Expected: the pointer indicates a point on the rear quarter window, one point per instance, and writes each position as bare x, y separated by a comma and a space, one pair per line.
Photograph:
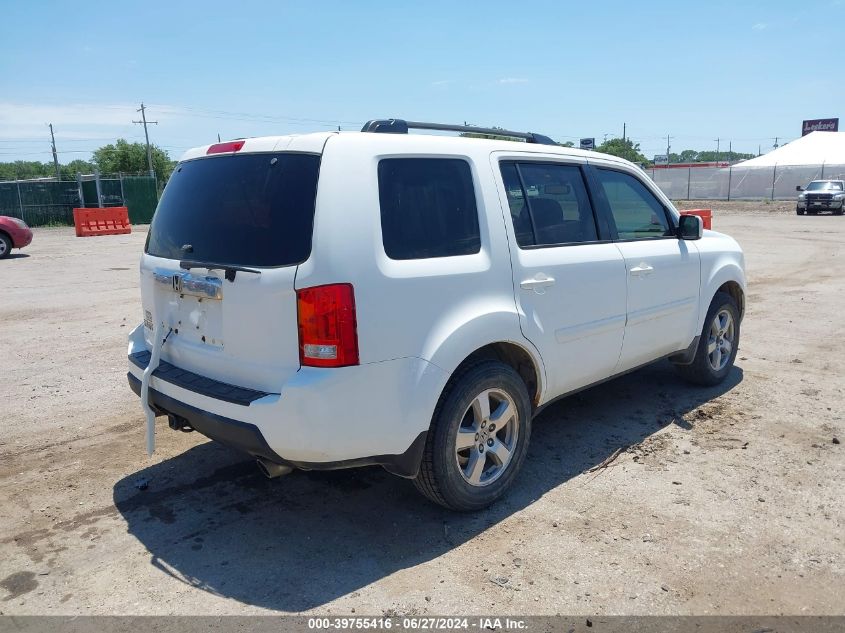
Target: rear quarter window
428, 208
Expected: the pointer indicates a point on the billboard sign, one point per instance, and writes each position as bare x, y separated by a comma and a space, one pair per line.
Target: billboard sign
819, 125
661, 159
588, 143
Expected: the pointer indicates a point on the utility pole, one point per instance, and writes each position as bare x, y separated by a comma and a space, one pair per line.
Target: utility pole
668, 148
730, 150
55, 155
624, 132
717, 149
143, 120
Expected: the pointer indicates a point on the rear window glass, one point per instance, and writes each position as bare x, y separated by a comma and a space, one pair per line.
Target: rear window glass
247, 209
427, 208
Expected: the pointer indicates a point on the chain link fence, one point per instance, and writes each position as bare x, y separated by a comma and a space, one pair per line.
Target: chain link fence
50, 202
740, 183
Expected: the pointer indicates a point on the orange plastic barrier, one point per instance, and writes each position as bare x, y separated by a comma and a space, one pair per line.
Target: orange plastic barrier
105, 221
706, 216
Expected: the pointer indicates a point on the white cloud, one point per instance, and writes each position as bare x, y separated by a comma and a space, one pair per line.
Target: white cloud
24, 120
513, 80
760, 26
443, 82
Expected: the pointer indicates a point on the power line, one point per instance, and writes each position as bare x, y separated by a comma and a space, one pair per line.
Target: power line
247, 116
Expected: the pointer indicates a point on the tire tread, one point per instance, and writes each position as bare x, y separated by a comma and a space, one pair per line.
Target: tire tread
698, 371
427, 479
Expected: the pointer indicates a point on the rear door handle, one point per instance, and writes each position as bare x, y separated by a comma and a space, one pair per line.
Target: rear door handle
641, 270
539, 284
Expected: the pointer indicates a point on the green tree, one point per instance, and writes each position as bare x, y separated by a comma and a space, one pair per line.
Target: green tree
567, 144
710, 156
128, 157
77, 166
623, 148
24, 169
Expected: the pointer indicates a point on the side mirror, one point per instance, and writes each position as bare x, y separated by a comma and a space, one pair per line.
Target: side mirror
690, 227
799, 188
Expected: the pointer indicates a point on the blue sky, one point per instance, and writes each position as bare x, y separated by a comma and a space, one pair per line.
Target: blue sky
742, 71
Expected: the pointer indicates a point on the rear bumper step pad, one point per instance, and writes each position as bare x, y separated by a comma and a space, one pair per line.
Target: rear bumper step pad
196, 383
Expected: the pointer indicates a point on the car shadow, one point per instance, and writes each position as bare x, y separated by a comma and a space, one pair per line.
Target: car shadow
211, 520
17, 255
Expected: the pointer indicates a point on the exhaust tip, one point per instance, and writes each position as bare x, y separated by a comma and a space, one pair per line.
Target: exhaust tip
271, 470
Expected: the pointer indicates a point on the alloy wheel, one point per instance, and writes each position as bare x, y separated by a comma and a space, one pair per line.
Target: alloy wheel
486, 439
720, 341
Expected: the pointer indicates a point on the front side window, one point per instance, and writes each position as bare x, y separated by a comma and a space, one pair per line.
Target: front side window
427, 208
549, 204
638, 214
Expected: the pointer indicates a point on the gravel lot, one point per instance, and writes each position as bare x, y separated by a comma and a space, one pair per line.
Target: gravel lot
720, 501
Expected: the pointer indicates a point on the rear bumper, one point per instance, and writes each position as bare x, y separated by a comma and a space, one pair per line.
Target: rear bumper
240, 435
248, 438
322, 419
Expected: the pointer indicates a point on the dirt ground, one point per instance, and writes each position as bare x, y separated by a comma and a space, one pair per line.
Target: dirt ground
720, 501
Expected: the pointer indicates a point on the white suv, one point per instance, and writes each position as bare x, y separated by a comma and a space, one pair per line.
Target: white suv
334, 300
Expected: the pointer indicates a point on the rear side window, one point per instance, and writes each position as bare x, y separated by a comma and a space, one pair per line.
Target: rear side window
638, 214
549, 204
427, 208
242, 209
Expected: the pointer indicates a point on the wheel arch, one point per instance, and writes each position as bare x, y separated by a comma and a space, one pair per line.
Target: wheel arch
515, 356
733, 289
726, 276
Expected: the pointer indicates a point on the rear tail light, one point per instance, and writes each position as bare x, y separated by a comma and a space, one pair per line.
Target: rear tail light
222, 148
328, 331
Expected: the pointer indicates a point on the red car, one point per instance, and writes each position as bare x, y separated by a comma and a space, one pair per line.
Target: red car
14, 233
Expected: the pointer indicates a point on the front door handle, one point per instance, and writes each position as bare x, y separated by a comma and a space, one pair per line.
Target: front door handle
641, 270
539, 284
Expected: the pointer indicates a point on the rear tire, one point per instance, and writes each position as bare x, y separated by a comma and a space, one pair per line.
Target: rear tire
466, 465
838, 211
717, 345
5, 245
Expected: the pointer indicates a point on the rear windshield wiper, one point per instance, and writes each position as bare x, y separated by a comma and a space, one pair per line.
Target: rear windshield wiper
229, 270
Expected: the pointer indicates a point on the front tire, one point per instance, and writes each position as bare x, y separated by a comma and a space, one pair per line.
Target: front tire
5, 245
799, 211
478, 438
717, 345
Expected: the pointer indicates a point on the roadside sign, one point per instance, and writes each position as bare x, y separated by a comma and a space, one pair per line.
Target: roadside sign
819, 125
661, 159
588, 143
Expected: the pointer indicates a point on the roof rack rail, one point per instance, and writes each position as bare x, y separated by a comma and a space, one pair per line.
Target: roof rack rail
400, 126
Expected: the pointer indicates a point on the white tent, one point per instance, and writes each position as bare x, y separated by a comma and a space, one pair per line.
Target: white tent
814, 149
